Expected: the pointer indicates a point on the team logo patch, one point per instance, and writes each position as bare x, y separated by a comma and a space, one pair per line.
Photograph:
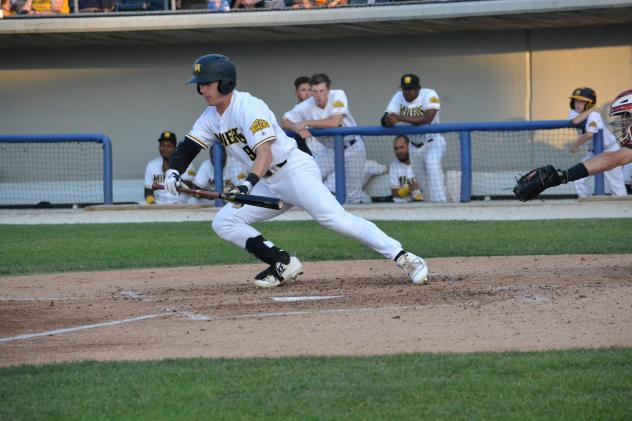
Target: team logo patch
259, 124
191, 173
592, 124
434, 100
197, 68
338, 104
242, 176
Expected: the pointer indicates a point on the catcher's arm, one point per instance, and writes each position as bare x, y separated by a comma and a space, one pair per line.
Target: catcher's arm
530, 185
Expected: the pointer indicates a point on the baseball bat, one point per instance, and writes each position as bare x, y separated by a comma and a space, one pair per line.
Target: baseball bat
246, 199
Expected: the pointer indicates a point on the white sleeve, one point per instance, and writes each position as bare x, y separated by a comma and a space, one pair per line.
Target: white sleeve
393, 178
593, 122
149, 176
205, 175
394, 104
295, 115
431, 100
340, 105
256, 122
201, 133
572, 114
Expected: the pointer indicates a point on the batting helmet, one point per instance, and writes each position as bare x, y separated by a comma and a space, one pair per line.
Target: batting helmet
215, 68
583, 94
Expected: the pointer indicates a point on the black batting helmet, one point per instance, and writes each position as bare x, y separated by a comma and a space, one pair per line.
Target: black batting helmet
583, 94
212, 68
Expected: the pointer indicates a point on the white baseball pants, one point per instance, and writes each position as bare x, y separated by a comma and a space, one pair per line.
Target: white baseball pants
299, 183
427, 166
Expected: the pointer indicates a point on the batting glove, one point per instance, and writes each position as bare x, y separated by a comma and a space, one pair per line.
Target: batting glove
172, 181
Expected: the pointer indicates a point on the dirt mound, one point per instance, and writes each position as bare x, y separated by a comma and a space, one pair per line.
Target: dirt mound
336, 308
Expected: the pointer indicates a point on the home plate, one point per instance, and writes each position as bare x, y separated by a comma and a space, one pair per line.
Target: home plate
306, 298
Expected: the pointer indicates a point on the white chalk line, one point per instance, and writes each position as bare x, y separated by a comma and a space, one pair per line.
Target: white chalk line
291, 299
309, 312
40, 298
202, 317
82, 327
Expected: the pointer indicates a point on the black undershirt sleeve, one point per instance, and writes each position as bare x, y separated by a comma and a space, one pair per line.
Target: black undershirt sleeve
184, 154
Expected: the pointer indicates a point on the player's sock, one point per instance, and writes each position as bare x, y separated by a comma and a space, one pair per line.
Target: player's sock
399, 254
266, 251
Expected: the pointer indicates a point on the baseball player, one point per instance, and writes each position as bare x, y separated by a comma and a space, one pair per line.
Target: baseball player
589, 122
155, 173
401, 178
416, 105
303, 91
329, 108
537, 180
249, 131
233, 173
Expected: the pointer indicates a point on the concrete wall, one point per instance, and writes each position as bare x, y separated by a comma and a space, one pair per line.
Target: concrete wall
134, 93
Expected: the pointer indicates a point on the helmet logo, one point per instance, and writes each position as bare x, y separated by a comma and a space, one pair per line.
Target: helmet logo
577, 92
407, 80
197, 68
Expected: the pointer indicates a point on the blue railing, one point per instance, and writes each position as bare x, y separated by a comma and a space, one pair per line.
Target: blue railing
66, 138
464, 129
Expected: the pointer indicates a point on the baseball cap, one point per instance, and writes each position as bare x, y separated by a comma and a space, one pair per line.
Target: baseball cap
410, 81
168, 136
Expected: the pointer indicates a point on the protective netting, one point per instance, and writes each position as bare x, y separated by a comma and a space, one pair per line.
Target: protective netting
59, 173
497, 158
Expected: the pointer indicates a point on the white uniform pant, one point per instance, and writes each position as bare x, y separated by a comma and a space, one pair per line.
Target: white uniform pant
299, 183
355, 157
426, 163
614, 178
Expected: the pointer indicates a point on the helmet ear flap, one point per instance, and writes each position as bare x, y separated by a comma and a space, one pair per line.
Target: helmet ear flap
225, 86
572, 104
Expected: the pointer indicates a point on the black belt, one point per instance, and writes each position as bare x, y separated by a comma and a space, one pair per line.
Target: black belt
419, 145
269, 173
351, 143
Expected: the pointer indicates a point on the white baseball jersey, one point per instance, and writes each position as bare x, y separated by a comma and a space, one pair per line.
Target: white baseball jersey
155, 174
245, 124
398, 175
593, 124
337, 103
426, 100
234, 173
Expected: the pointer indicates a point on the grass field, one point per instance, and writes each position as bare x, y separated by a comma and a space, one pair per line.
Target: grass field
575, 384
60, 248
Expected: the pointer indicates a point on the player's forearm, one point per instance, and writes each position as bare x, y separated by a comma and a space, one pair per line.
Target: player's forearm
326, 123
583, 139
287, 124
579, 119
606, 161
184, 154
263, 161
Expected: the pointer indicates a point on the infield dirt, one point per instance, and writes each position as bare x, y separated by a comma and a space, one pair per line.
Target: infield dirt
468, 305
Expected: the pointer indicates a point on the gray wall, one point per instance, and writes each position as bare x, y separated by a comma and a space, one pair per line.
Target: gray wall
134, 93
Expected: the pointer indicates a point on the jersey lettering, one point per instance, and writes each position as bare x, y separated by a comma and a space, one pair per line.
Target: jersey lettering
411, 111
230, 137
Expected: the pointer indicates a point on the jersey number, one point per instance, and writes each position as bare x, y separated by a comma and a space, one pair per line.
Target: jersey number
251, 154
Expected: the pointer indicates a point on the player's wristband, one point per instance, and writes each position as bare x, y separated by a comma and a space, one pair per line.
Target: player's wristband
252, 178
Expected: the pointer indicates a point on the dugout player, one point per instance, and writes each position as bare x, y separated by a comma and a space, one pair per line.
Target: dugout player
233, 173
249, 131
329, 108
540, 179
155, 173
588, 121
401, 179
415, 105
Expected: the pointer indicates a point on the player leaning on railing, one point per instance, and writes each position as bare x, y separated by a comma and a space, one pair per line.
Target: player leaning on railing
249, 131
536, 181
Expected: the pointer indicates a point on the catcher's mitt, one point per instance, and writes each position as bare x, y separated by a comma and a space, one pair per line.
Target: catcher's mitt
536, 181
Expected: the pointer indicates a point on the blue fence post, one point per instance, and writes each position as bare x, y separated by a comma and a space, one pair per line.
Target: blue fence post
339, 161
465, 141
597, 149
108, 196
218, 170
